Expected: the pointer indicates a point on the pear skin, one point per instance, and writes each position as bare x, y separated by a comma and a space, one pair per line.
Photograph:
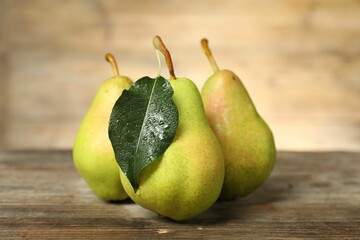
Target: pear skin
187, 179
246, 140
93, 154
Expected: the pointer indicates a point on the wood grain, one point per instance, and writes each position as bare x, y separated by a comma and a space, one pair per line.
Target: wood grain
299, 59
309, 195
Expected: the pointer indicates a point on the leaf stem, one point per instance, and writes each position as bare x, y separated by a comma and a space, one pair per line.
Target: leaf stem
159, 62
159, 45
111, 59
207, 51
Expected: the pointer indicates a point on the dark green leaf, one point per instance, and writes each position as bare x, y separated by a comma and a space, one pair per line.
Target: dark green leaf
142, 125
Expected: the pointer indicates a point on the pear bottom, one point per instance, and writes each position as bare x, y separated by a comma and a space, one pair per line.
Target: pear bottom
178, 185
102, 175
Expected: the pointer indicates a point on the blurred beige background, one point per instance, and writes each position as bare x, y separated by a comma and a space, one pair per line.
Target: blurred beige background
300, 60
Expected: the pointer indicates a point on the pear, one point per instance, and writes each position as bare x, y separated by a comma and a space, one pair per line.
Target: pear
187, 179
246, 140
93, 154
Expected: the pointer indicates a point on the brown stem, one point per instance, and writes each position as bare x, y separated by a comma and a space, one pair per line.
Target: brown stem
111, 59
159, 45
207, 51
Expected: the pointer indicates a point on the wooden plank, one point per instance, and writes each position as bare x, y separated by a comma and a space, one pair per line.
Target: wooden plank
309, 195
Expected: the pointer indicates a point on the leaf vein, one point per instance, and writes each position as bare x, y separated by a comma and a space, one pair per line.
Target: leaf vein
144, 120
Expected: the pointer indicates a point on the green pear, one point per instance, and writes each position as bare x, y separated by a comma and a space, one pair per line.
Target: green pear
187, 179
93, 154
246, 140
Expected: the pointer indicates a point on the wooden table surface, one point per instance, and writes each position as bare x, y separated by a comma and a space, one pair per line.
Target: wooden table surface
309, 195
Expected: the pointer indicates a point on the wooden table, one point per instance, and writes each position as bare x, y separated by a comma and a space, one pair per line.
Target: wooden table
309, 195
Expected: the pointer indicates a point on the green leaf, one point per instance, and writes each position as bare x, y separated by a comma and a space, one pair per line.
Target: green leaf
142, 125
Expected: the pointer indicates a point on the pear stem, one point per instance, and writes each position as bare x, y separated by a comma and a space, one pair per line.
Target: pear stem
159, 45
111, 59
207, 51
